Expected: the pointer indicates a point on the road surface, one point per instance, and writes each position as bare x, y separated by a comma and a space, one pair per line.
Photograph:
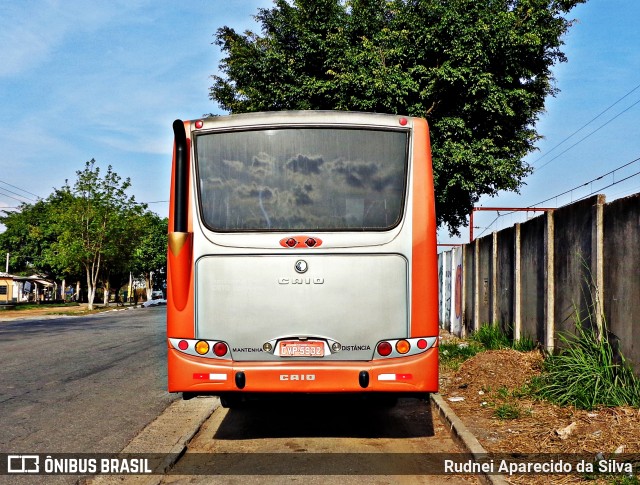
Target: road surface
81, 384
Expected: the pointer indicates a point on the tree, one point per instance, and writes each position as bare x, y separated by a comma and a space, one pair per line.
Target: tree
478, 70
30, 234
97, 218
150, 254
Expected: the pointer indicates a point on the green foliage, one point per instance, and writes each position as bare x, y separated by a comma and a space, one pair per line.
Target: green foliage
150, 254
507, 410
93, 228
452, 354
491, 337
587, 372
30, 233
487, 337
524, 344
478, 70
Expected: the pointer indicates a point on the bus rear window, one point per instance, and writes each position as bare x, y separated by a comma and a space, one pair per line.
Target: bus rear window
321, 179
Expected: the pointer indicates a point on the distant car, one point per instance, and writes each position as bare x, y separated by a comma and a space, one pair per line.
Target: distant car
157, 295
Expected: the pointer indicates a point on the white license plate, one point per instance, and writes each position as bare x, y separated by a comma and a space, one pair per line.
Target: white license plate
301, 349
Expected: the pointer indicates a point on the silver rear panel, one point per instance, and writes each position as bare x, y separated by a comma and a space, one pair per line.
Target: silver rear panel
356, 300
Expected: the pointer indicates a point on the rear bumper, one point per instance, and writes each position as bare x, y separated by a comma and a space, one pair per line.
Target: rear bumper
406, 375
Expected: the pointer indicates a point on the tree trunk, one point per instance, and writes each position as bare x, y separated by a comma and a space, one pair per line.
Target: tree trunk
149, 282
91, 290
107, 292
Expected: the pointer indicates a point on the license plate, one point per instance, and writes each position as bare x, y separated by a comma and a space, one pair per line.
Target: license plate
301, 349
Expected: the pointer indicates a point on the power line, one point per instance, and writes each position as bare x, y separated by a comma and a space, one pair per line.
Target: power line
593, 192
23, 190
603, 188
11, 197
584, 126
16, 193
585, 137
587, 183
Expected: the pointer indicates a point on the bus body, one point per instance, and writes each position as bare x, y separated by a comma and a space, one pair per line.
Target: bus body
302, 256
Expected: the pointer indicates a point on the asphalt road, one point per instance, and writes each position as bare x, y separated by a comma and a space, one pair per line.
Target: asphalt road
81, 384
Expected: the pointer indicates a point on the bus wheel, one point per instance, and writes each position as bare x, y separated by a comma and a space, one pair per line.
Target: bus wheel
230, 401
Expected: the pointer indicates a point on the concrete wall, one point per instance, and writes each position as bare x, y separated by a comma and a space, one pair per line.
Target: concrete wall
575, 275
505, 276
621, 251
484, 266
469, 285
534, 278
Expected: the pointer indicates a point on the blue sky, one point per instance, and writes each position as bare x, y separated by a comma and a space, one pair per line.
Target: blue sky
107, 81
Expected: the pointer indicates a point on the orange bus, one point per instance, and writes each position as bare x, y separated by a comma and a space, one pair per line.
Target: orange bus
302, 256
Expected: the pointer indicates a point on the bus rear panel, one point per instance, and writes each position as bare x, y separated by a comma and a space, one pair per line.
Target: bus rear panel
302, 256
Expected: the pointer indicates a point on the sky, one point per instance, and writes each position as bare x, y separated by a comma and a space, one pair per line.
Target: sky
104, 80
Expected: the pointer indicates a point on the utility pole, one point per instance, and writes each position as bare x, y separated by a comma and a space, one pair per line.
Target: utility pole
7, 265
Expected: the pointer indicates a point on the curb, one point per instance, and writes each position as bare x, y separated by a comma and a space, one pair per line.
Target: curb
168, 434
464, 437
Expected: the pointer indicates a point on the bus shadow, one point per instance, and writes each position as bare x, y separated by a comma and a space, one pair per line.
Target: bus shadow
327, 417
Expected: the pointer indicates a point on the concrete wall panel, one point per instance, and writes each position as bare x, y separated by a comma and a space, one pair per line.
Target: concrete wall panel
485, 267
468, 275
532, 276
622, 274
574, 276
505, 279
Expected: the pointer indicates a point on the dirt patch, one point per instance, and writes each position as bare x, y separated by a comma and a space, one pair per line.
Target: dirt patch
489, 392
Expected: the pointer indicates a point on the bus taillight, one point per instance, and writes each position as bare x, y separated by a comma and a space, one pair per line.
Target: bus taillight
403, 346
384, 348
202, 347
220, 349
183, 345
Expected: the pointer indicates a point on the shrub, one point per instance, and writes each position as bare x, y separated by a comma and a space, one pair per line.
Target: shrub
587, 373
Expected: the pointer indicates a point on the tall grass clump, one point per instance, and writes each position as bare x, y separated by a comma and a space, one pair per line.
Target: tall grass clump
587, 372
491, 337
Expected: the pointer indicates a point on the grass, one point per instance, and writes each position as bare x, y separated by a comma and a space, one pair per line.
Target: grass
487, 337
588, 373
507, 410
452, 354
491, 337
34, 306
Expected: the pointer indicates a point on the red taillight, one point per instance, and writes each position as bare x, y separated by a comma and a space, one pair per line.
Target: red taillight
291, 242
311, 242
220, 349
183, 345
403, 122
422, 344
384, 348
199, 124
